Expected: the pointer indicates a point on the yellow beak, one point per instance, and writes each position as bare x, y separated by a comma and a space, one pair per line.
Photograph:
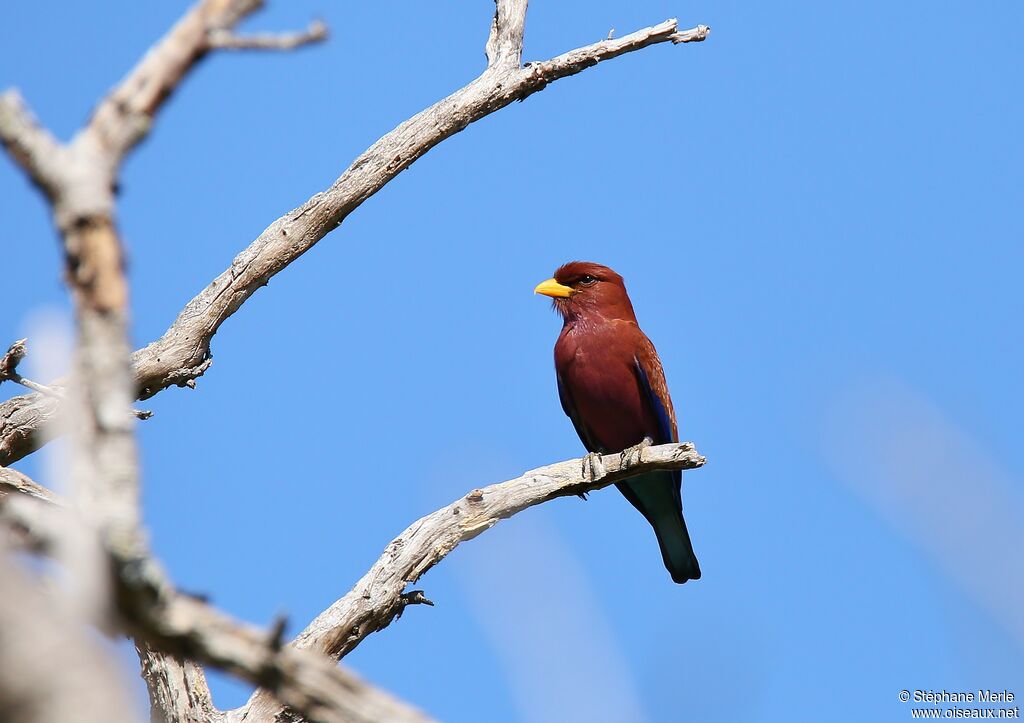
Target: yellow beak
552, 288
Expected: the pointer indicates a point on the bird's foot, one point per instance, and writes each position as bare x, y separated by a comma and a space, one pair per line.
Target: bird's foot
593, 470
632, 456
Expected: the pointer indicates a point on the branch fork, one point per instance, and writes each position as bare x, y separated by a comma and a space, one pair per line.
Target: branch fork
80, 179
182, 354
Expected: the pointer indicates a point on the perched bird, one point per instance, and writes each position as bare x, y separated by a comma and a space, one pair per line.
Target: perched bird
613, 388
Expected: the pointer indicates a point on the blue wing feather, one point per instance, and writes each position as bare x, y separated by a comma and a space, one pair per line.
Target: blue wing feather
660, 412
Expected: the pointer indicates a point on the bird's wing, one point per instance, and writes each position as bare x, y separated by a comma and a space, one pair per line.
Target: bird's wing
572, 413
651, 378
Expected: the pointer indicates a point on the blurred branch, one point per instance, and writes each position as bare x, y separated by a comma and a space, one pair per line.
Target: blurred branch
79, 180
50, 669
380, 595
183, 354
308, 683
180, 694
14, 482
8, 371
226, 40
171, 629
125, 116
30, 145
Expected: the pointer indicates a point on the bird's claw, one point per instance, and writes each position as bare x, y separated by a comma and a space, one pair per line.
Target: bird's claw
593, 468
632, 456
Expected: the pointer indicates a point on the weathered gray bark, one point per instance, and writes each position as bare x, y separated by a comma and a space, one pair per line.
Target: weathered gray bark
182, 354
172, 629
380, 595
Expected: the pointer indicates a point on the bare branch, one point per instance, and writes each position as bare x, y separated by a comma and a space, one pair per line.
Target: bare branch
178, 691
581, 58
693, 35
226, 40
125, 116
8, 371
171, 629
29, 144
10, 361
374, 600
80, 177
27, 514
370, 703
104, 454
14, 482
380, 595
183, 627
106, 504
50, 669
182, 354
303, 680
180, 694
505, 43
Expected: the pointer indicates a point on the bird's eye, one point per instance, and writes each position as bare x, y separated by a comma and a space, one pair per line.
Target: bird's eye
587, 280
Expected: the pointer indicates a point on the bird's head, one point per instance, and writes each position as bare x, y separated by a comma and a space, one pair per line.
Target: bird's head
585, 290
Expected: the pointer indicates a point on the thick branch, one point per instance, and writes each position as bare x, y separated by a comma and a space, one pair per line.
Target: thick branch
29, 144
505, 43
302, 680
376, 598
80, 177
172, 629
181, 627
104, 465
50, 669
380, 595
180, 694
178, 691
9, 372
182, 354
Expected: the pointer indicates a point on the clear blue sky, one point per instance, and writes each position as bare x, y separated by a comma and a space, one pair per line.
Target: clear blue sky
818, 216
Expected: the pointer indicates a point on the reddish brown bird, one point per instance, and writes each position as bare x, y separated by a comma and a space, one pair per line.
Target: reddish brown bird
613, 388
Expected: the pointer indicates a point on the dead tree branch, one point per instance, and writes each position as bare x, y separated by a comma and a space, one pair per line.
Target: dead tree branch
226, 40
380, 595
308, 683
14, 482
79, 178
81, 189
178, 691
179, 694
8, 371
171, 629
183, 353
50, 669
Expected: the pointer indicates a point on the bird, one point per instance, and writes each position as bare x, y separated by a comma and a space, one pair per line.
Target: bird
612, 387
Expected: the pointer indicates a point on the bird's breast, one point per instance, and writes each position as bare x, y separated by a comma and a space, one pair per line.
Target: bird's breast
598, 370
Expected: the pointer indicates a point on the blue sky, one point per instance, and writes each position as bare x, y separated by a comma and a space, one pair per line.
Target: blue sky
818, 216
